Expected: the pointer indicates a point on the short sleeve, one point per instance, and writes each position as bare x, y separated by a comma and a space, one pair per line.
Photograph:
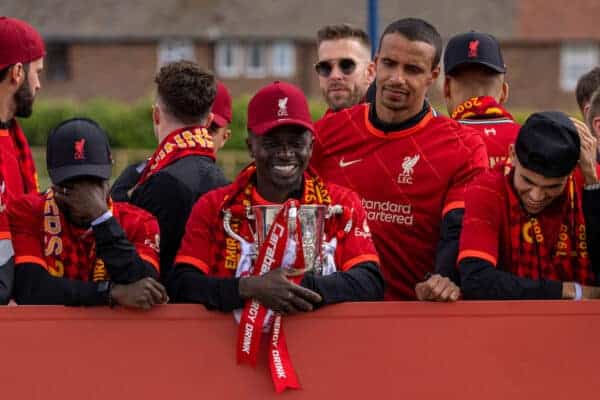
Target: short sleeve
25, 218
356, 246
475, 161
483, 219
196, 245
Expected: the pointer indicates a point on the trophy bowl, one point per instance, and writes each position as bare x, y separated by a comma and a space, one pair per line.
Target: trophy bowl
312, 224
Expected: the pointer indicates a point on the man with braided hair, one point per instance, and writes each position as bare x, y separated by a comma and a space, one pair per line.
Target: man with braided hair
280, 142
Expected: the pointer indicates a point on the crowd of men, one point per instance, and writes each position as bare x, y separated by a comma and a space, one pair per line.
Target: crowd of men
429, 207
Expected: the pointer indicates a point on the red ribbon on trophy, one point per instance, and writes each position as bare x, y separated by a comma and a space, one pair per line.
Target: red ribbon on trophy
283, 244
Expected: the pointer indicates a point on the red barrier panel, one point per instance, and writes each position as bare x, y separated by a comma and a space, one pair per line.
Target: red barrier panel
468, 350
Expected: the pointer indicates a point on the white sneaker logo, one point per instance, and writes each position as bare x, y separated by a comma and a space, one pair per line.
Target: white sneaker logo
408, 169
344, 164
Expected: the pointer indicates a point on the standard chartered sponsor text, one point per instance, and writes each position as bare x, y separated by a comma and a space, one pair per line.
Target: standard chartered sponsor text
388, 211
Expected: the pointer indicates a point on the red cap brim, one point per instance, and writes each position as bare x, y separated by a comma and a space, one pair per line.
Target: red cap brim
262, 129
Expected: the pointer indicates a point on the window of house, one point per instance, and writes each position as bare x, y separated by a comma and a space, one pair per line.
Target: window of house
575, 60
175, 50
283, 59
256, 63
56, 64
228, 59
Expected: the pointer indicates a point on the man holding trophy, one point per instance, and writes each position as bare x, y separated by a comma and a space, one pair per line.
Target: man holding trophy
219, 248
277, 240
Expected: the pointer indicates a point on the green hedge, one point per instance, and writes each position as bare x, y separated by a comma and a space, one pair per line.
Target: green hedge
130, 125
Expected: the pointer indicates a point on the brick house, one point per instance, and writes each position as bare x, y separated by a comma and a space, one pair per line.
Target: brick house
113, 48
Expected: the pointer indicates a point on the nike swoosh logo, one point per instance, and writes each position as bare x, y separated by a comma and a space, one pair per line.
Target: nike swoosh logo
344, 164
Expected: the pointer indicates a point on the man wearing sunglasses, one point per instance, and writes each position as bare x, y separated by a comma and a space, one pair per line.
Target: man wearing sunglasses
344, 68
409, 164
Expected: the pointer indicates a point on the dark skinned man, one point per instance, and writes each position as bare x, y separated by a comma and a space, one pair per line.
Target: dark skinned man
73, 245
280, 142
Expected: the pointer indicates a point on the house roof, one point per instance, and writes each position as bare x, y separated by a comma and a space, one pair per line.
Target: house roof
209, 19
297, 19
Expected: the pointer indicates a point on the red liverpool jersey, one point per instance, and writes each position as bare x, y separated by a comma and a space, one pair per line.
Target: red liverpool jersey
497, 127
407, 180
206, 247
549, 245
42, 235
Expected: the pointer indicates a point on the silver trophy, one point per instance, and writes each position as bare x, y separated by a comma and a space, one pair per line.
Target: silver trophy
312, 219
312, 226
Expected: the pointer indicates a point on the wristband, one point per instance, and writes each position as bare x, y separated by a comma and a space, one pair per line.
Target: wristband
578, 292
104, 217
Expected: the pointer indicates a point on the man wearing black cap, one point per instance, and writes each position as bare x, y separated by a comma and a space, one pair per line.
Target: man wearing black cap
73, 245
475, 88
533, 233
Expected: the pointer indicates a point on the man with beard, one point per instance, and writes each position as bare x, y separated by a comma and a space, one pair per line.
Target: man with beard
73, 245
475, 90
534, 233
344, 67
22, 54
210, 262
409, 164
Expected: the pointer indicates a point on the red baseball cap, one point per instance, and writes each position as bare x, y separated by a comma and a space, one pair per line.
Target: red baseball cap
278, 104
221, 107
19, 42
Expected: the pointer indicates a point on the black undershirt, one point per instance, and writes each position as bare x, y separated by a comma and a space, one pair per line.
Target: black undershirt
388, 127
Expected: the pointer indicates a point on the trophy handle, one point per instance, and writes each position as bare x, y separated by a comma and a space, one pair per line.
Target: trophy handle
227, 226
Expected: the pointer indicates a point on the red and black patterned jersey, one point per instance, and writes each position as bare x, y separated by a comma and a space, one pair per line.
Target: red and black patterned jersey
41, 235
550, 245
407, 180
206, 246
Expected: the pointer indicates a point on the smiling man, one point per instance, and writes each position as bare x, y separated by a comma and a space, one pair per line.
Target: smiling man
409, 164
209, 261
534, 233
344, 67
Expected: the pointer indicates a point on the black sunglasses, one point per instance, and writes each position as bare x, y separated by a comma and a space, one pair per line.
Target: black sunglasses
324, 68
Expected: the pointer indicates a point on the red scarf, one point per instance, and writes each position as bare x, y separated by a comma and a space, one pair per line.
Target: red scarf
480, 107
551, 245
241, 199
253, 315
70, 251
24, 158
188, 141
